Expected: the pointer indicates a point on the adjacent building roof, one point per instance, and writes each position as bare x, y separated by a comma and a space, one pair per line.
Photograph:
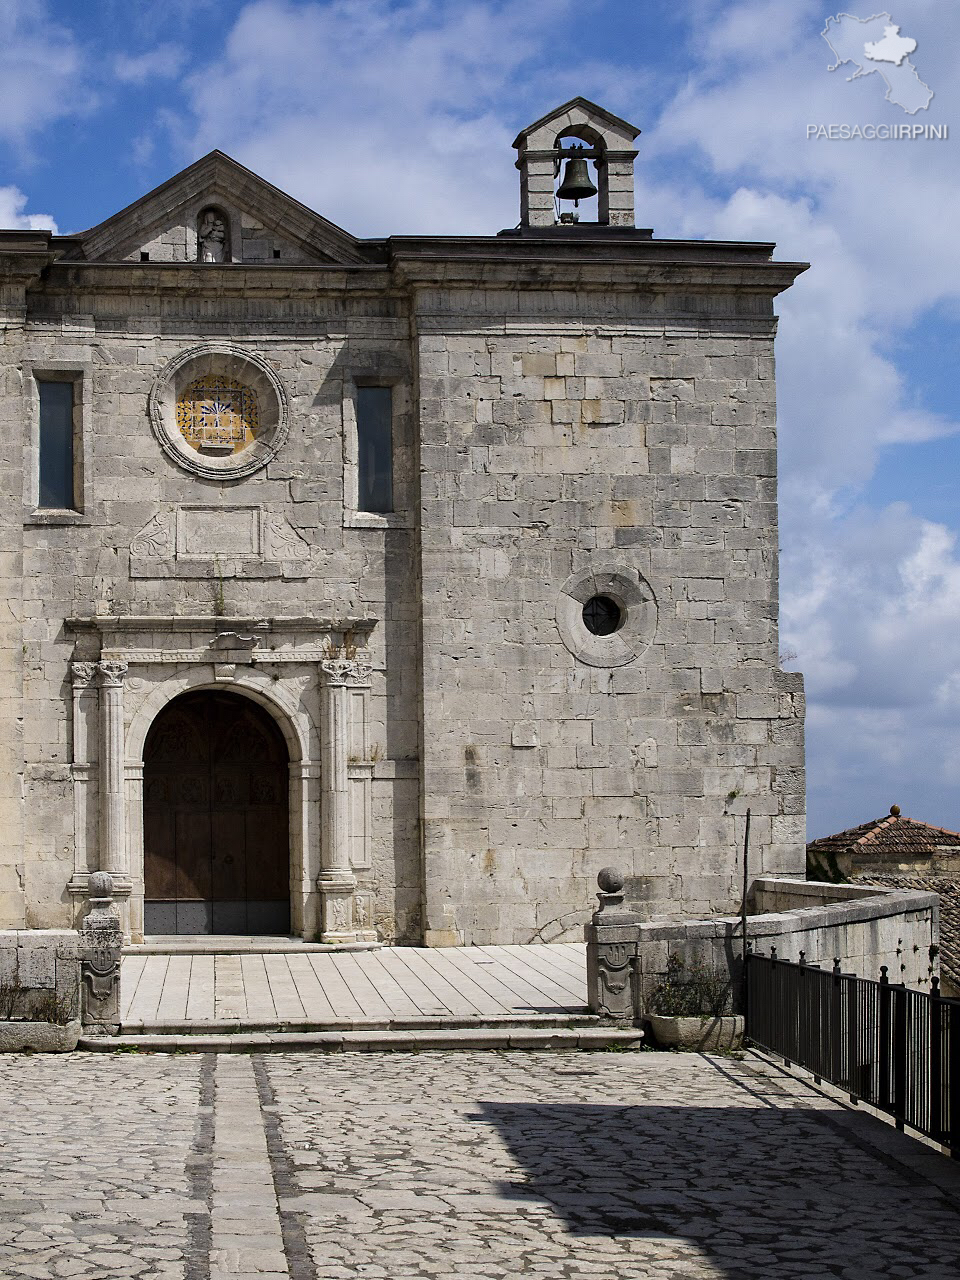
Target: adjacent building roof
900, 853
893, 840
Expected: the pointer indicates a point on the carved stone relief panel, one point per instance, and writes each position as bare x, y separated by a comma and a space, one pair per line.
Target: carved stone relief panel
192, 541
228, 531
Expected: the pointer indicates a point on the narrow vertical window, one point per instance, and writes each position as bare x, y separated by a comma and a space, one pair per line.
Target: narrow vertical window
375, 449
56, 445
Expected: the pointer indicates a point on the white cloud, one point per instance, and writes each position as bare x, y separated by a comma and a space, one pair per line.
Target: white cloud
13, 218
873, 612
163, 62
386, 118
41, 68
871, 597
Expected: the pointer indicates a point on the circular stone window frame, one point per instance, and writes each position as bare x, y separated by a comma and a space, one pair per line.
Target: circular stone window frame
629, 589
226, 360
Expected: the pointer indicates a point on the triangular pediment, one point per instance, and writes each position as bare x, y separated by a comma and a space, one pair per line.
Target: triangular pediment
578, 111
260, 223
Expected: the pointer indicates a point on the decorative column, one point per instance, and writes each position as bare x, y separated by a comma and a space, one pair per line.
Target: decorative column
113, 845
337, 882
83, 770
133, 804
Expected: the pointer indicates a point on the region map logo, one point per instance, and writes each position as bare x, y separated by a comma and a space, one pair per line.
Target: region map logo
874, 47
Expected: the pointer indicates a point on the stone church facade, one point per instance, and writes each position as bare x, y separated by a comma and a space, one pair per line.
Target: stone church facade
388, 589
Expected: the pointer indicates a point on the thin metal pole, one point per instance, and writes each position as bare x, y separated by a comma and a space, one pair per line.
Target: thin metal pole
743, 905
743, 917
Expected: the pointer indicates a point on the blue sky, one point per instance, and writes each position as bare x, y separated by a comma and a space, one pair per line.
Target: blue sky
398, 117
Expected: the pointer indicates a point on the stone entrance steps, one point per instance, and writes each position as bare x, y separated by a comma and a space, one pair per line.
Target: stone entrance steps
279, 994
581, 1033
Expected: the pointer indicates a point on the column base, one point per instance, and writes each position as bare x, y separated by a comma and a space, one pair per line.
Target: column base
345, 914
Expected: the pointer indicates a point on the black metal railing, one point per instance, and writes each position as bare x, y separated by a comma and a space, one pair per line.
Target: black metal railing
883, 1043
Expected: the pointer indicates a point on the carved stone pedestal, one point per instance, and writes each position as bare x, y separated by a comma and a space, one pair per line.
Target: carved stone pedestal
347, 912
612, 976
101, 942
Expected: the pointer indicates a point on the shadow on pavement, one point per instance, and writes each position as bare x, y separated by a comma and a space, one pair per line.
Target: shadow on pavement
753, 1188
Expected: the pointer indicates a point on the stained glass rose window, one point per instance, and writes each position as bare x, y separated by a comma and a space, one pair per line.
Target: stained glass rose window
218, 415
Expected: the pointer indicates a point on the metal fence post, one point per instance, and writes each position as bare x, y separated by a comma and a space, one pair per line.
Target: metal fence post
747, 979
953, 1079
803, 1009
836, 1023
779, 1009
854, 1071
936, 1061
900, 1053
883, 1042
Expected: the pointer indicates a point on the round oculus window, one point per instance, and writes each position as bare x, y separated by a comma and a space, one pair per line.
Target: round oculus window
219, 411
607, 616
602, 616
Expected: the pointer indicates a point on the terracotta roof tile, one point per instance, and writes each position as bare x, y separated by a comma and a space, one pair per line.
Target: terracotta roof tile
893, 836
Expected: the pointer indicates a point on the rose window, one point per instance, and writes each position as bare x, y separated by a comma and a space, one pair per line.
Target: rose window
217, 415
219, 410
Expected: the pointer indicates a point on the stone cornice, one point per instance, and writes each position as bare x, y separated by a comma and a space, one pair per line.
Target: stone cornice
105, 624
619, 263
603, 271
226, 280
581, 243
613, 278
24, 254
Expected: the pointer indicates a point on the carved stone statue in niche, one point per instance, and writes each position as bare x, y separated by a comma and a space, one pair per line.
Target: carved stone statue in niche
213, 236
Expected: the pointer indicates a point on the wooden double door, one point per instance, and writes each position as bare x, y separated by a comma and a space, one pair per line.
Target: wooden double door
215, 819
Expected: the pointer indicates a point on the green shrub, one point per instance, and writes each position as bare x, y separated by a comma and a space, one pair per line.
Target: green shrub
25, 1004
691, 991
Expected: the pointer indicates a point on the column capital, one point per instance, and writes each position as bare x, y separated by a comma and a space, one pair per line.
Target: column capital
83, 673
342, 670
112, 672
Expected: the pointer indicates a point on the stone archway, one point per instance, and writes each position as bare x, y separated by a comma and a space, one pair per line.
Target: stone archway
215, 818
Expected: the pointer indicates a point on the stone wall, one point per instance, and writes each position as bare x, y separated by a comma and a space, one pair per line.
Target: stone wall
42, 963
590, 415
863, 927
634, 453
125, 556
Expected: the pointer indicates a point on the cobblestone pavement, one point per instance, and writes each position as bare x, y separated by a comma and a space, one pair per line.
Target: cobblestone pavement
474, 1165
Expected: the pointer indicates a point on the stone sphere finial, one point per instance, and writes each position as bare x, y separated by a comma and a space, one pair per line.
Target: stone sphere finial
610, 880
100, 885
895, 810
103, 917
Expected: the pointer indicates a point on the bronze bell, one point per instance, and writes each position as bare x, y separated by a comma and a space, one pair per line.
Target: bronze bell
576, 184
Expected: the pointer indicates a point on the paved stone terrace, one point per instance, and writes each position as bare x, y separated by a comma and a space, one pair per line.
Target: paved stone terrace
268, 988
457, 1166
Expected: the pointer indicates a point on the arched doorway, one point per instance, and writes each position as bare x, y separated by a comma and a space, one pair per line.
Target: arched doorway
215, 821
